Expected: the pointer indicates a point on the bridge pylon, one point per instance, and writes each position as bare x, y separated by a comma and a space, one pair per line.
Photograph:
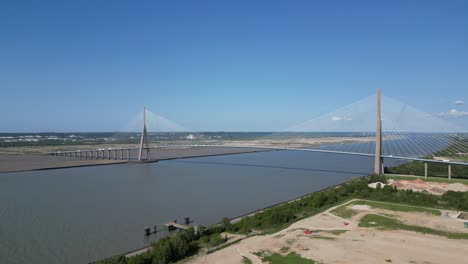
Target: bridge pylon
144, 140
378, 163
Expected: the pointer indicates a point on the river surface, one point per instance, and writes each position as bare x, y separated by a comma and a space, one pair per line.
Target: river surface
83, 214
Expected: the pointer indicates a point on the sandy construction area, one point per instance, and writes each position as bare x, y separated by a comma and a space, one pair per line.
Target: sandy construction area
437, 188
356, 244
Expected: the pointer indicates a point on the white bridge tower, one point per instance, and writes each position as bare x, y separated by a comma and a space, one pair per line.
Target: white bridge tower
378, 164
144, 140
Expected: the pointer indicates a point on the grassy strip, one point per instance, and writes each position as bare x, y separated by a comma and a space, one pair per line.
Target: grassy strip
225, 245
334, 232
318, 237
382, 222
344, 211
246, 260
291, 258
398, 207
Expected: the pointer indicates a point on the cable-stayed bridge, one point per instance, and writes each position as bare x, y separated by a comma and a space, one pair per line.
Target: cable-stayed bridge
376, 126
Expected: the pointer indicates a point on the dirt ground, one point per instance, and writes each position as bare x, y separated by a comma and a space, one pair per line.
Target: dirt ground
437, 188
356, 245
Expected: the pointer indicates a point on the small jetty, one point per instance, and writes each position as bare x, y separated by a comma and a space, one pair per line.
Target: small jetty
169, 226
174, 225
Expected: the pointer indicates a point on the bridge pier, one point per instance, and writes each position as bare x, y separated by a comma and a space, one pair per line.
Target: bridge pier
378, 166
449, 172
115, 153
425, 170
121, 154
128, 154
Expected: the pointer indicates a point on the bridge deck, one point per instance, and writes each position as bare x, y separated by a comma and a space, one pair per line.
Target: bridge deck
16, 163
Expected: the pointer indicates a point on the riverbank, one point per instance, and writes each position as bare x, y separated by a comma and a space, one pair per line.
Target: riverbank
282, 220
232, 220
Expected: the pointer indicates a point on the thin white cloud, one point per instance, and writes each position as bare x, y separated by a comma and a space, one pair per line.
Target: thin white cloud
459, 102
454, 113
339, 118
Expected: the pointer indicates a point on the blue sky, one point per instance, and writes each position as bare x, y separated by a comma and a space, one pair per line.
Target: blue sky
224, 65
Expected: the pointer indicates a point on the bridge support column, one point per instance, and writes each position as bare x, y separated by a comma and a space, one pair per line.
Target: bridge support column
144, 140
115, 154
108, 154
121, 154
378, 138
449, 172
425, 170
128, 154
382, 166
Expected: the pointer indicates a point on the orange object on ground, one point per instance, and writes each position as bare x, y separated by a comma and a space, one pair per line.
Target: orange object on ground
307, 232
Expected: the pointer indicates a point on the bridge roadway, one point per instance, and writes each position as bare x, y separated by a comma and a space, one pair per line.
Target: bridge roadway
114, 153
15, 163
69, 159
